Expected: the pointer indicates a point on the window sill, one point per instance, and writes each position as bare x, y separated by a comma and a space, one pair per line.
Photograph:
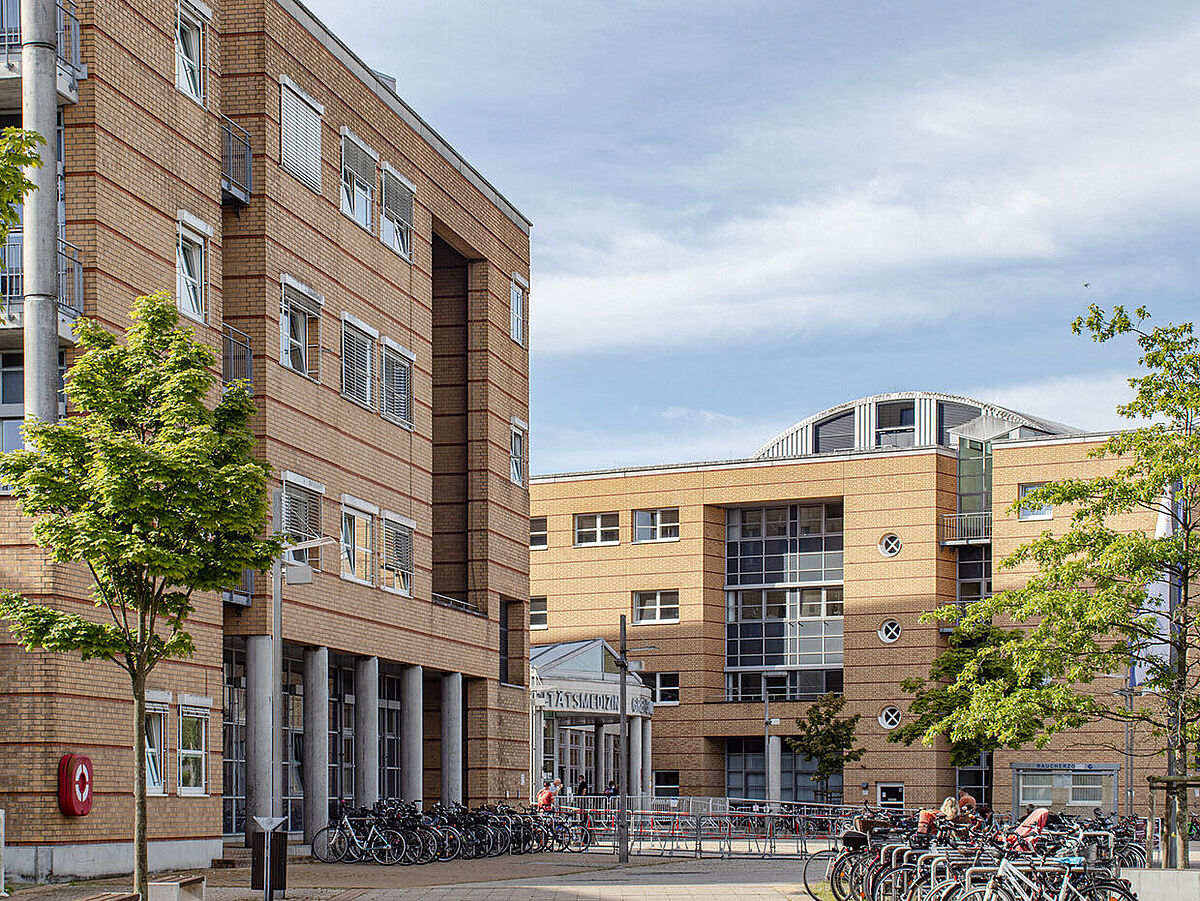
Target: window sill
357, 581
316, 380
654, 540
655, 622
369, 229
540, 547
191, 793
199, 101
403, 423
1046, 518
203, 320
538, 628
396, 591
597, 544
666, 703
156, 793
407, 257
520, 342
366, 405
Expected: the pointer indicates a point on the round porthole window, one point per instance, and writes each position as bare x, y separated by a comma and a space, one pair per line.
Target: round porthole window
889, 631
889, 544
889, 717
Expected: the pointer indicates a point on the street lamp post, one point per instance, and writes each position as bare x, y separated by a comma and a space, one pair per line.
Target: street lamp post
623, 759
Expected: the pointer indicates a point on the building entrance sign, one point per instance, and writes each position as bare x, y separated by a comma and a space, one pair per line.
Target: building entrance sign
75, 784
557, 701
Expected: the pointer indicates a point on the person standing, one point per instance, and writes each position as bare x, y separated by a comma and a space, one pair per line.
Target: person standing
581, 788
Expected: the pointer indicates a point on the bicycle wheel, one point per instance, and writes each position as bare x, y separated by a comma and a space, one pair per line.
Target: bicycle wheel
841, 876
388, 847
450, 846
998, 892
1110, 890
323, 845
579, 837
816, 871
892, 884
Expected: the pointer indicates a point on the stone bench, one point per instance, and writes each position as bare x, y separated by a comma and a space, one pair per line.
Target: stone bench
177, 888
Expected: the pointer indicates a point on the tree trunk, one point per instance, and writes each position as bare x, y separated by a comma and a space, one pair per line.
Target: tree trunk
140, 843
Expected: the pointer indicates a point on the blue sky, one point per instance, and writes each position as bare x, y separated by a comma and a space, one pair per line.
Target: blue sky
745, 212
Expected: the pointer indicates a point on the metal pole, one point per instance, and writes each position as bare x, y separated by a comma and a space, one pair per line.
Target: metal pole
39, 252
623, 760
276, 695
766, 742
1129, 747
3, 893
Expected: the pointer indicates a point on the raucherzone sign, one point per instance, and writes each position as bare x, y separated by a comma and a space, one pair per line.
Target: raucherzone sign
589, 702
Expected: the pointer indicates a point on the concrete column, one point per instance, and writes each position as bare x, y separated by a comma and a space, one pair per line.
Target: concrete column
316, 741
452, 738
366, 731
599, 779
412, 733
635, 755
647, 767
261, 753
774, 768
39, 254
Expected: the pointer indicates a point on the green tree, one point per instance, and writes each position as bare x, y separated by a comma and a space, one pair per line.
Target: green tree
156, 494
1105, 597
827, 739
936, 700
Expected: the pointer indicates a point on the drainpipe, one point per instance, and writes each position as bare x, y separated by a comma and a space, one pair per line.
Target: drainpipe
39, 109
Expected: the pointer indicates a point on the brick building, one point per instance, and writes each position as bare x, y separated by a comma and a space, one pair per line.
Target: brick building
805, 569
373, 287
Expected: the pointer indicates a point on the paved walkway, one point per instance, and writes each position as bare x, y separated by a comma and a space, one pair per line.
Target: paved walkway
548, 877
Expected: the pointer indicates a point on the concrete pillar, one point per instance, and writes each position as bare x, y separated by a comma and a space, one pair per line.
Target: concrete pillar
412, 733
316, 741
39, 254
452, 738
366, 731
647, 767
774, 768
261, 750
635, 755
599, 776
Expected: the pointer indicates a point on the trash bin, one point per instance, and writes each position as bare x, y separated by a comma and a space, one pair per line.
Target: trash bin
278, 853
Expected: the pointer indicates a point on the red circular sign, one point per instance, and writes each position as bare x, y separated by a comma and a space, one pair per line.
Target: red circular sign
75, 784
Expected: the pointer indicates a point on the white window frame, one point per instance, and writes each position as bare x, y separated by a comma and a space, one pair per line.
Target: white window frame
890, 717
1046, 783
518, 294
309, 175
1097, 789
1027, 514
357, 510
187, 753
299, 488
596, 526
544, 612
298, 299
358, 193
191, 75
657, 526
675, 785
657, 689
393, 225
544, 532
393, 576
516, 451
193, 287
156, 755
642, 606
394, 355
354, 329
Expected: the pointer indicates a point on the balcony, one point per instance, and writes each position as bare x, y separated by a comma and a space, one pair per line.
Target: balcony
958, 529
12, 281
237, 175
237, 357
240, 595
70, 65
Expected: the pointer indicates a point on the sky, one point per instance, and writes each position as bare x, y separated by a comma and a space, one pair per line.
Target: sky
747, 211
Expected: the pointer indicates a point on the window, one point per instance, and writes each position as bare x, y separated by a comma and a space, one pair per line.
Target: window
889, 717
300, 133
1045, 511
358, 365
663, 686
656, 606
193, 751
976, 780
190, 41
516, 311
397, 554
784, 627
596, 528
974, 573
300, 331
538, 539
302, 521
1036, 789
1087, 788
889, 632
358, 545
358, 181
398, 194
656, 525
745, 768
793, 685
538, 618
190, 275
156, 783
895, 424
397, 384
666, 783
789, 544
890, 544
516, 454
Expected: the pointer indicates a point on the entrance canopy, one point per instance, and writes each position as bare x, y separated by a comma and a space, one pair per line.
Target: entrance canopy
583, 678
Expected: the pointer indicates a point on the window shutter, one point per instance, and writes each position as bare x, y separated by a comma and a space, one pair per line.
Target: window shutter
356, 364
397, 198
397, 387
300, 138
358, 161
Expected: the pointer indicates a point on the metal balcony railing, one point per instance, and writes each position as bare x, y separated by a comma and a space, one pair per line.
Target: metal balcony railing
444, 600
66, 27
12, 280
242, 593
237, 357
965, 528
237, 176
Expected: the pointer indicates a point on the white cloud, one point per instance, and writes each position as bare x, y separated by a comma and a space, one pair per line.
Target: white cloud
1087, 401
